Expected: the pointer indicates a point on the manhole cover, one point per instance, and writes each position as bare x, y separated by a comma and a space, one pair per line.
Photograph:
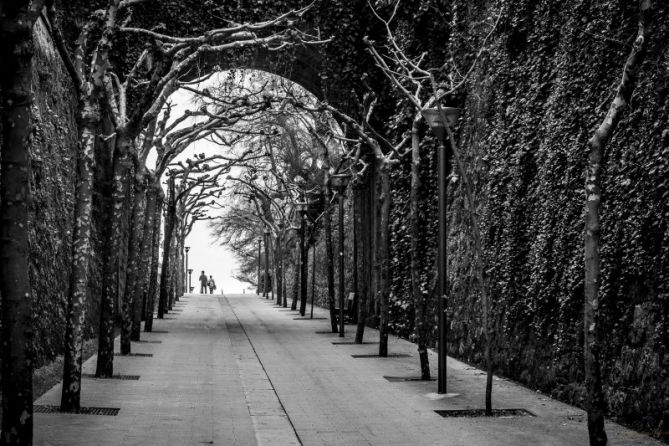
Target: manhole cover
111, 411
307, 318
148, 342
352, 342
143, 355
390, 355
121, 377
502, 413
397, 379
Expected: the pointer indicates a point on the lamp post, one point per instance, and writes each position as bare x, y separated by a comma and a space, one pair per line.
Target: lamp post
433, 116
266, 233
302, 209
259, 255
339, 182
190, 284
187, 248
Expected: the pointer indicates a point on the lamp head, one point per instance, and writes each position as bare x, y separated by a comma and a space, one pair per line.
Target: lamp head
339, 181
433, 119
301, 206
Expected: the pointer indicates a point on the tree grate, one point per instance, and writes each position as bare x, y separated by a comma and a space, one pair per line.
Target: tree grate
45, 408
121, 377
308, 318
352, 342
327, 332
143, 355
399, 379
390, 355
501, 413
169, 319
148, 342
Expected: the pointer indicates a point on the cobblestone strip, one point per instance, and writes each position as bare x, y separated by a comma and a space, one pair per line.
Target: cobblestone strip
270, 421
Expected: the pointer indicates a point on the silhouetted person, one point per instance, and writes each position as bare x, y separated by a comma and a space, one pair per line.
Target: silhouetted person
203, 283
211, 284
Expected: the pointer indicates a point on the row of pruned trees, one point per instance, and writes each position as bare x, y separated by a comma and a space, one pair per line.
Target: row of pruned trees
121, 110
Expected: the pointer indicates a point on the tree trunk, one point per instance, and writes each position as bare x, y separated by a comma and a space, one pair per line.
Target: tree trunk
384, 264
267, 262
134, 253
283, 273
81, 250
112, 258
276, 263
141, 281
296, 279
16, 53
155, 254
329, 260
132, 300
419, 299
356, 237
595, 403
365, 221
167, 242
304, 266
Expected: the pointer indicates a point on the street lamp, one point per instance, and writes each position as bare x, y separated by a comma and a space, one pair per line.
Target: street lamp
266, 232
302, 208
187, 248
259, 250
339, 182
190, 284
434, 118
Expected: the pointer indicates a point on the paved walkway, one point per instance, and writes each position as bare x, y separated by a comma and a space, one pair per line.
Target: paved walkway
236, 370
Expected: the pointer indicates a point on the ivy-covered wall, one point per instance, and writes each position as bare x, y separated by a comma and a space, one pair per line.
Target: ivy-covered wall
53, 164
53, 175
532, 102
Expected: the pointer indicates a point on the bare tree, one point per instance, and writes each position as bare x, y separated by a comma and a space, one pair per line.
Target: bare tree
595, 403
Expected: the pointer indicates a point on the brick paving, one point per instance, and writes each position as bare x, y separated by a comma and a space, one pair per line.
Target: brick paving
236, 370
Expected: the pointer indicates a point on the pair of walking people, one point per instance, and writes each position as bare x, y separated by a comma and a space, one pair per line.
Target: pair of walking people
207, 282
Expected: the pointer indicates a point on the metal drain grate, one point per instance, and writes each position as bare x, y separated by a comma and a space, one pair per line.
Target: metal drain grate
399, 379
169, 319
148, 342
390, 355
143, 355
501, 413
307, 318
121, 377
159, 331
110, 411
352, 342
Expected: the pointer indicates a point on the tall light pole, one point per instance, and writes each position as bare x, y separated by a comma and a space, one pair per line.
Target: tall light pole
267, 233
190, 284
339, 182
302, 209
187, 290
438, 127
259, 255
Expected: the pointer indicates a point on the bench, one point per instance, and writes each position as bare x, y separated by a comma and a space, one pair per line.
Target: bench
348, 310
